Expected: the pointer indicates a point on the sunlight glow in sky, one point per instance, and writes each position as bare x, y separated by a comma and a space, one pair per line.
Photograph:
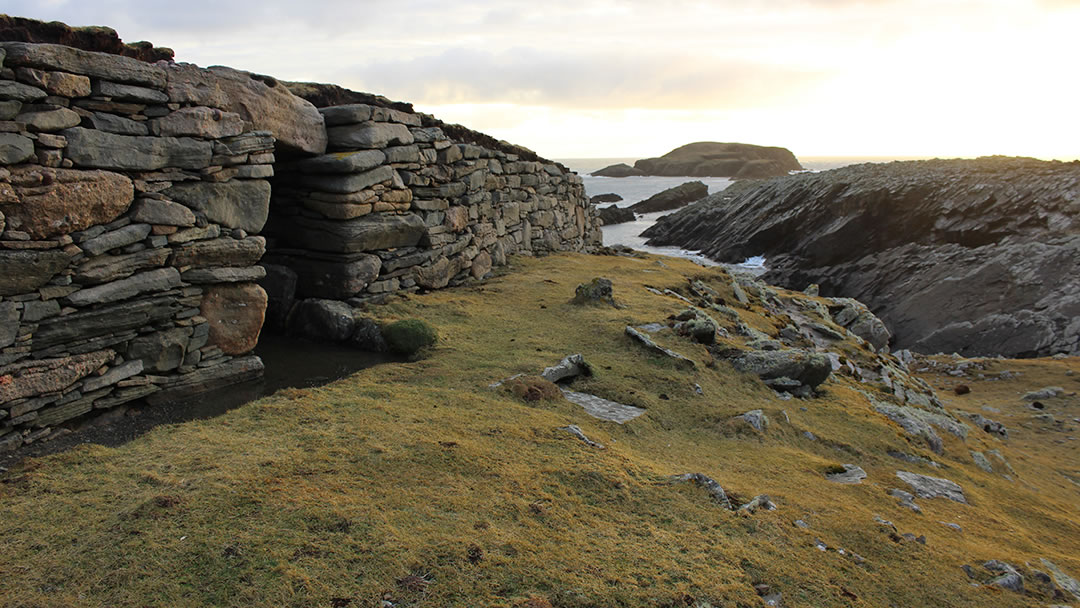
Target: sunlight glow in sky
635, 78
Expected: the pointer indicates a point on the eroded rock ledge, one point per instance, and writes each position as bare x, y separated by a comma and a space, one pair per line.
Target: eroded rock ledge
971, 256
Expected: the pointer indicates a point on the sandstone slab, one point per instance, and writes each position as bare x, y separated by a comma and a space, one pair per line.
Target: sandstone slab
98, 149
243, 204
47, 121
369, 135
262, 101
346, 183
48, 375
220, 252
105, 268
367, 233
208, 123
62, 58
167, 213
341, 162
235, 313
143, 282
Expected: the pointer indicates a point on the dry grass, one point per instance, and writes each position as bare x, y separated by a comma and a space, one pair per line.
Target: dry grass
414, 483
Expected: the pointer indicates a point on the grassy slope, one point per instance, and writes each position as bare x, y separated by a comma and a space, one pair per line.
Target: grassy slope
416, 483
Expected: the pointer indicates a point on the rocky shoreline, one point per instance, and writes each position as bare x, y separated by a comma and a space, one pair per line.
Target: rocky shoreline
971, 256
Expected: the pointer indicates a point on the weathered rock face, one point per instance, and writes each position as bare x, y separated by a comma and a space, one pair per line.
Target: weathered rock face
259, 100
970, 256
712, 159
672, 198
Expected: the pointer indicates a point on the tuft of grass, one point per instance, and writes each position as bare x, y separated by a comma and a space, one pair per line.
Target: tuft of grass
409, 336
534, 388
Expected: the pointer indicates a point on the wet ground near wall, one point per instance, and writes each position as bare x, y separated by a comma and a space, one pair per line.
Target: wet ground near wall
290, 363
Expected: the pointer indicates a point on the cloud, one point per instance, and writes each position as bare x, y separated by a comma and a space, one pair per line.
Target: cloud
604, 79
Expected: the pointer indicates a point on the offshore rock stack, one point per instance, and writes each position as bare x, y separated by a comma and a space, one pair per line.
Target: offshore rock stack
133, 196
397, 205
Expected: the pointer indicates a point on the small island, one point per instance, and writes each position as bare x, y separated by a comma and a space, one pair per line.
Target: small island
712, 159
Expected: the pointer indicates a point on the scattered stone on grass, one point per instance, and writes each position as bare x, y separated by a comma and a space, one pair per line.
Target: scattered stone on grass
601, 408
708, 484
933, 487
852, 474
647, 342
569, 368
576, 431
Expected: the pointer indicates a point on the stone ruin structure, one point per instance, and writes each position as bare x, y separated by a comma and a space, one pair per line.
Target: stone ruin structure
146, 209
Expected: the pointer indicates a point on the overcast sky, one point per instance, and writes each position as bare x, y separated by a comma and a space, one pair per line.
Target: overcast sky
635, 78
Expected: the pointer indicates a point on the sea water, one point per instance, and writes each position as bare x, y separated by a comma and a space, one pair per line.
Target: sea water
637, 189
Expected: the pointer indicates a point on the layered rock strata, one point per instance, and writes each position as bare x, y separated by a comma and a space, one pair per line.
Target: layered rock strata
970, 256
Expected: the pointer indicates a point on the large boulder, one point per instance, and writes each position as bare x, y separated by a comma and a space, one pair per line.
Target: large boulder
672, 198
260, 100
326, 320
979, 257
712, 159
810, 369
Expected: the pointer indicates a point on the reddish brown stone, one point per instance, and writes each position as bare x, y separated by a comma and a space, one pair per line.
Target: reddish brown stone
54, 202
457, 218
48, 375
235, 313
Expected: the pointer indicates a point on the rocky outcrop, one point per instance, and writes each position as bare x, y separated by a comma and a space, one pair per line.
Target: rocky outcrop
618, 170
672, 198
970, 256
712, 159
614, 214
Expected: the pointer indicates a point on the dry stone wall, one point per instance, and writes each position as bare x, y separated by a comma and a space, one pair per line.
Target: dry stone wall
397, 205
137, 201
131, 198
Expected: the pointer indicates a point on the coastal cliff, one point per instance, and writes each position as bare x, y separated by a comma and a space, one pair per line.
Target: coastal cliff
972, 256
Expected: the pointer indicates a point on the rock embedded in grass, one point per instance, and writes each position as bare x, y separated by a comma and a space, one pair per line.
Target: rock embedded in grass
933, 487
850, 475
598, 291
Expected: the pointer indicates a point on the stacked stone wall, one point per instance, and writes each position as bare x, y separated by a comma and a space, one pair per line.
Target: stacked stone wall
400, 206
131, 199
137, 201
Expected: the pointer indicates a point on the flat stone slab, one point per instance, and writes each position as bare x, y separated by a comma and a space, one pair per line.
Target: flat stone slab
852, 475
933, 487
601, 408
